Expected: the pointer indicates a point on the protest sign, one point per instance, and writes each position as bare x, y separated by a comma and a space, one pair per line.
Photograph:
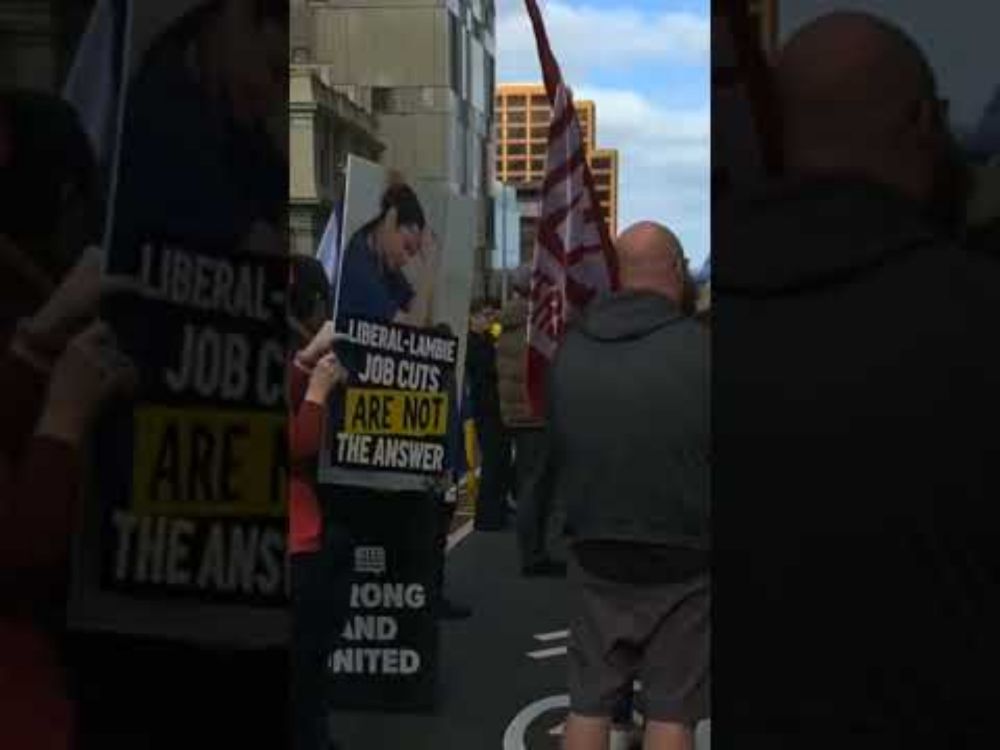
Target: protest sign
396, 412
417, 364
387, 655
401, 306
184, 532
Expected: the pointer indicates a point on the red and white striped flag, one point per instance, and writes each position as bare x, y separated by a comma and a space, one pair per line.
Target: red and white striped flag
745, 137
574, 255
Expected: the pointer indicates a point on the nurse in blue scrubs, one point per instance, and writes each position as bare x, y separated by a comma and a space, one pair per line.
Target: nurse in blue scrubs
389, 266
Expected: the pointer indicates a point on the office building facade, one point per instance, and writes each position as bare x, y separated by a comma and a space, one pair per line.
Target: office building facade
324, 126
426, 71
523, 115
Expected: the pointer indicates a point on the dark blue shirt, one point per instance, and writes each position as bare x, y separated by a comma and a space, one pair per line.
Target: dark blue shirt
368, 289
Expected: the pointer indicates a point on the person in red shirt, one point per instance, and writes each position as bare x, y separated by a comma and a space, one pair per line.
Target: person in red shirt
319, 549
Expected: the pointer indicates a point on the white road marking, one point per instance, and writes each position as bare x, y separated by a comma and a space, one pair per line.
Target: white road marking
513, 738
458, 535
547, 653
554, 636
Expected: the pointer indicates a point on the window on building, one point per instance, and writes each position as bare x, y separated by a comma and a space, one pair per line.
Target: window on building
516, 101
457, 65
538, 165
517, 115
517, 149
490, 76
517, 134
381, 99
539, 132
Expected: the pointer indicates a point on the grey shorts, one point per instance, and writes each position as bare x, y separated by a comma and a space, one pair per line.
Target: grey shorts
656, 633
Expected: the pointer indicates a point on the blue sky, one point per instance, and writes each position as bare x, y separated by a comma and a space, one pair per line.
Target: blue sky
646, 64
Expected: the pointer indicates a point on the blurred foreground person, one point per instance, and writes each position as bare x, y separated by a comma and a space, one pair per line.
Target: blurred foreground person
629, 431
57, 367
852, 388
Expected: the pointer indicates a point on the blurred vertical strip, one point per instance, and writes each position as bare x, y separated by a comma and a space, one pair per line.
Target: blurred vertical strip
746, 142
94, 82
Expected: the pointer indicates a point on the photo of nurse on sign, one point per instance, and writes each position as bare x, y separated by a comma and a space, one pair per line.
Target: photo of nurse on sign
389, 265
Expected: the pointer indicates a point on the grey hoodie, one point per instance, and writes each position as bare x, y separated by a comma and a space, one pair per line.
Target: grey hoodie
630, 424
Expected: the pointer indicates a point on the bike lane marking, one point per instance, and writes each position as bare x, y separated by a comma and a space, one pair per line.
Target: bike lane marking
555, 635
513, 738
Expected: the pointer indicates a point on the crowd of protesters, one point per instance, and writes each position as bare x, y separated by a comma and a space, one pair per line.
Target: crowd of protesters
875, 512
58, 365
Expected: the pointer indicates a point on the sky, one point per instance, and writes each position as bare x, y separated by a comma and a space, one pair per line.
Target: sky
645, 63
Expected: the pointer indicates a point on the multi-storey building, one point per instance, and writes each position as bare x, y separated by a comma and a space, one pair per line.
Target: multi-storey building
604, 166
324, 126
523, 114
426, 70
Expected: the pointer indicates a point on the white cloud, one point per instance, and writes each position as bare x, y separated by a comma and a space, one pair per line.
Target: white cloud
665, 160
587, 38
664, 153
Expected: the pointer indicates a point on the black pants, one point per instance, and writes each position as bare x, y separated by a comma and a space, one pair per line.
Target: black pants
146, 693
445, 517
491, 506
320, 596
534, 495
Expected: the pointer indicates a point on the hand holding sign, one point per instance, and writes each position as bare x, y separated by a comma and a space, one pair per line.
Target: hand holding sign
326, 375
76, 302
321, 343
88, 372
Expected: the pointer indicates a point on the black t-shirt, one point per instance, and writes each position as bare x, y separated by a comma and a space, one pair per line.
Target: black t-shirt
641, 564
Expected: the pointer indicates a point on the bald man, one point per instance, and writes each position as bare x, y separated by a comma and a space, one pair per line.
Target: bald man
858, 99
853, 367
629, 431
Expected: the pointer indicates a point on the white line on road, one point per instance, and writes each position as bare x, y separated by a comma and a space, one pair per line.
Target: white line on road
547, 653
458, 535
514, 737
554, 636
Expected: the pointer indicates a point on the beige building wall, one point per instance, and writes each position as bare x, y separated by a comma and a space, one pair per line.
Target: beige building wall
426, 69
324, 127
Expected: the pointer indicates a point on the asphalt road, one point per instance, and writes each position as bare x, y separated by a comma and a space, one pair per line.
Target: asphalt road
502, 672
